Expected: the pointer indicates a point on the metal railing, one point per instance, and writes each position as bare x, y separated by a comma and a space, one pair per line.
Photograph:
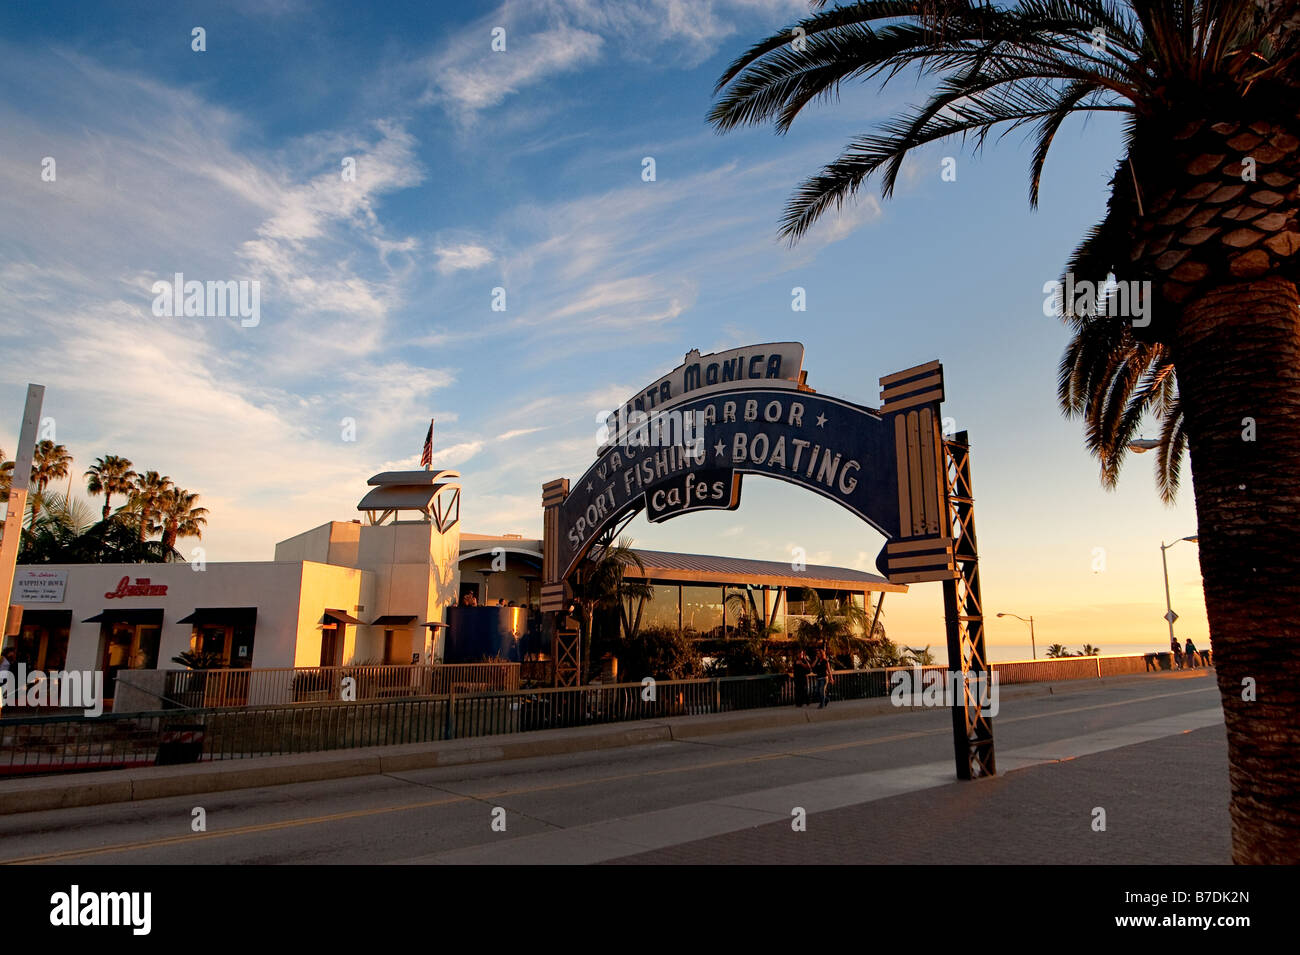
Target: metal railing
197, 689
37, 745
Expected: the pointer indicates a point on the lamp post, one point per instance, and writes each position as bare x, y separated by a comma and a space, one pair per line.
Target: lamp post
1170, 616
1033, 644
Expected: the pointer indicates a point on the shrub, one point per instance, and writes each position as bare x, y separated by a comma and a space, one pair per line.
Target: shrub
660, 652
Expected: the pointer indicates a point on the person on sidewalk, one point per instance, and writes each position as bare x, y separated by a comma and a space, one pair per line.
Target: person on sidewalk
1177, 652
822, 670
802, 670
8, 664
1193, 660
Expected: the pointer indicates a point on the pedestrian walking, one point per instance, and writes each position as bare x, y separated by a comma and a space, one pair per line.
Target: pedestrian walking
1193, 657
8, 664
1177, 651
802, 670
822, 670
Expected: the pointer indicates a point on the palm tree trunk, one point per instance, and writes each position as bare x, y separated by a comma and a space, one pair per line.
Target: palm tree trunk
107, 500
584, 665
1237, 350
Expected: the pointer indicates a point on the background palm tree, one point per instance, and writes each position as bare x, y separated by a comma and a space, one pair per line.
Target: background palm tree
178, 516
1057, 651
147, 495
1203, 204
66, 533
599, 584
6, 475
833, 621
923, 657
749, 621
50, 462
110, 475
1090, 651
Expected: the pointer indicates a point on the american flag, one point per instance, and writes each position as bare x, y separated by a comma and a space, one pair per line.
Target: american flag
426, 456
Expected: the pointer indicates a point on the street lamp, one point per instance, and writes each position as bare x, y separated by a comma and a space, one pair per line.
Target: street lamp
1033, 644
1170, 616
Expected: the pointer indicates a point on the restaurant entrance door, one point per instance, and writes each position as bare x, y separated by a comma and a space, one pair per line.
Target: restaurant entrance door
128, 640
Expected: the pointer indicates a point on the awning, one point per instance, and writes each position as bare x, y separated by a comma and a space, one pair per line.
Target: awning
228, 616
395, 621
338, 616
151, 616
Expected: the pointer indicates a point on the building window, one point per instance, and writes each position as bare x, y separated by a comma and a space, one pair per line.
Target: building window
663, 610
43, 642
702, 611
742, 602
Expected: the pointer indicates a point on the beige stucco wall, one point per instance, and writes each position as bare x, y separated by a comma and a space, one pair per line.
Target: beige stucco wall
332, 543
416, 573
273, 588
322, 587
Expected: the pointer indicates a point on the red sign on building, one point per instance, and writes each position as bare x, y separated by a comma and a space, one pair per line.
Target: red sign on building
141, 588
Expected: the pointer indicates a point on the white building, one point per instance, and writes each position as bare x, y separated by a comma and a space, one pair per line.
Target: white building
346, 591
367, 591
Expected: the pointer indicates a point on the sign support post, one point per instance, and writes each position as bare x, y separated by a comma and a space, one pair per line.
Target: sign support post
972, 726
22, 478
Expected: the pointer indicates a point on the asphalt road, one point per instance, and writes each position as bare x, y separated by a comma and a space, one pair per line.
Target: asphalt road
1149, 750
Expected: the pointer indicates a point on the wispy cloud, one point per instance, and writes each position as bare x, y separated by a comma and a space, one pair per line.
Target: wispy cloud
454, 258
467, 75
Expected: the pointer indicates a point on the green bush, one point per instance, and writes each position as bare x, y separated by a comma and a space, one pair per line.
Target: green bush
752, 657
660, 652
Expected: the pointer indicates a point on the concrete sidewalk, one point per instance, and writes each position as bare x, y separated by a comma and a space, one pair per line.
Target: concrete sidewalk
744, 828
1165, 802
115, 786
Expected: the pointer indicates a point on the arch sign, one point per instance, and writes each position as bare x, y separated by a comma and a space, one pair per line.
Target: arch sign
686, 442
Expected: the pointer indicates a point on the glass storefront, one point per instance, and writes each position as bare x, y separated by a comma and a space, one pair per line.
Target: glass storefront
128, 640
663, 610
43, 641
702, 611
225, 634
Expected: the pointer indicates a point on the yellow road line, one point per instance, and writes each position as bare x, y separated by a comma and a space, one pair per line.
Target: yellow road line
220, 834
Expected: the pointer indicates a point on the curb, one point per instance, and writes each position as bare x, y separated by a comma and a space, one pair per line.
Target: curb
157, 782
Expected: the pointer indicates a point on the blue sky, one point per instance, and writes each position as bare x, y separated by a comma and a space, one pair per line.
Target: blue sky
522, 170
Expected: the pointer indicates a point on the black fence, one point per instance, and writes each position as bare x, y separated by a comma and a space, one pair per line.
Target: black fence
53, 744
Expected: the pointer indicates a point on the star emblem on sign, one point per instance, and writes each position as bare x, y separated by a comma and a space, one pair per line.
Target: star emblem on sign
720, 448
821, 421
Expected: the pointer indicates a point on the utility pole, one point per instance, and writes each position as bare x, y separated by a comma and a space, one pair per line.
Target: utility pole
22, 479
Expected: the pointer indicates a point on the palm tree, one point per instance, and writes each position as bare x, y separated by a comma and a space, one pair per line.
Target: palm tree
918, 658
66, 533
50, 462
6, 475
1057, 651
54, 535
832, 621
599, 584
1090, 651
180, 518
750, 621
147, 495
1203, 205
110, 475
